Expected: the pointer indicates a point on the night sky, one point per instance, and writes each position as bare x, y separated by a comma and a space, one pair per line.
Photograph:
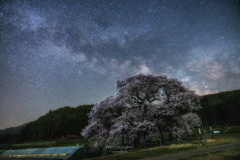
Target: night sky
67, 53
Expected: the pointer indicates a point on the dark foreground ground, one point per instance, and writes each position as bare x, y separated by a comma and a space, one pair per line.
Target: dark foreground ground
196, 152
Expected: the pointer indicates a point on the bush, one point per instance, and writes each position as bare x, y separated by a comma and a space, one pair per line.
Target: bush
235, 129
84, 152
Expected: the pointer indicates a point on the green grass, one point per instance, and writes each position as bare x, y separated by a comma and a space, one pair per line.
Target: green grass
224, 139
43, 144
34, 144
231, 154
1, 151
137, 153
228, 135
222, 129
170, 149
72, 142
150, 152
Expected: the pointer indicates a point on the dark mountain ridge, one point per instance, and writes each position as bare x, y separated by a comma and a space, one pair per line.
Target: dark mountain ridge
13, 130
217, 109
53, 125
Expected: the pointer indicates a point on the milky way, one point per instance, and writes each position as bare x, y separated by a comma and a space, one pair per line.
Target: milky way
66, 53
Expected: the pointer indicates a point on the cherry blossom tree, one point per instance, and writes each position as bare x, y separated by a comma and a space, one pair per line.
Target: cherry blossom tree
143, 105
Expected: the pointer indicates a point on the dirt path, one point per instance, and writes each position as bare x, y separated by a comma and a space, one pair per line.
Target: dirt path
196, 152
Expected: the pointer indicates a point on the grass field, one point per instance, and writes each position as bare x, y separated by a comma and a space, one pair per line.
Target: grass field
228, 135
231, 154
1, 151
43, 144
170, 149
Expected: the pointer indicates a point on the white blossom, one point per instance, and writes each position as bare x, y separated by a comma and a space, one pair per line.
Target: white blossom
143, 105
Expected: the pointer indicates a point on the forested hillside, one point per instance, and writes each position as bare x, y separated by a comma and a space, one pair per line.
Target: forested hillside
221, 108
56, 124
217, 109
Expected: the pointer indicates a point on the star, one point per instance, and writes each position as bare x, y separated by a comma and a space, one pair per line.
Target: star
68, 53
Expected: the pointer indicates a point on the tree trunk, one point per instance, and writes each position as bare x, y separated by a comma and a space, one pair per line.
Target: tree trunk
201, 114
160, 131
136, 141
170, 136
144, 140
123, 139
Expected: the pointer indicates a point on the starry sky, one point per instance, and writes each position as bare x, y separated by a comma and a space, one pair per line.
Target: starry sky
56, 53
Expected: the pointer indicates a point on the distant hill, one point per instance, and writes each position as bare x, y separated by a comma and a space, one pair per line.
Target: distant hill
221, 108
220, 97
13, 130
57, 123
217, 109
